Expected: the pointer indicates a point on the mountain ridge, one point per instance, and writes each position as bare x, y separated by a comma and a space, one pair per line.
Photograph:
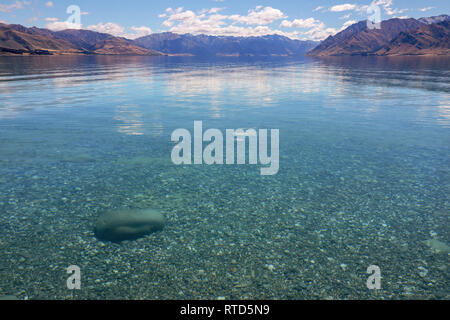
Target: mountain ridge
430, 39
358, 39
17, 39
424, 36
207, 45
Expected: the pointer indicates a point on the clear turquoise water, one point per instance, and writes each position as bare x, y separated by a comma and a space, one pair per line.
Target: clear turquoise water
364, 178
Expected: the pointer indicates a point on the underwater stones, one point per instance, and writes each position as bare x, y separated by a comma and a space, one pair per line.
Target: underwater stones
8, 297
128, 224
437, 245
422, 271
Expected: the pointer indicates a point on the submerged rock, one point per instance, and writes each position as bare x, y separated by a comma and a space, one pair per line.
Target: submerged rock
10, 297
126, 224
437, 245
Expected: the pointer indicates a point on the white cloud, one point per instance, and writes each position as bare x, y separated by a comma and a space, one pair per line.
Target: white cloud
49, 4
300, 23
51, 19
317, 29
343, 7
215, 10
426, 9
259, 16
209, 21
140, 32
109, 28
318, 8
117, 30
320, 32
14, 6
56, 25
256, 23
387, 6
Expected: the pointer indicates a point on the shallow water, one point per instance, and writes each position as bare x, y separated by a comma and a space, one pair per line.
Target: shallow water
363, 180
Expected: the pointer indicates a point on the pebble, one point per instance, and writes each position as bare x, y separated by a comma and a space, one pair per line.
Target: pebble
422, 271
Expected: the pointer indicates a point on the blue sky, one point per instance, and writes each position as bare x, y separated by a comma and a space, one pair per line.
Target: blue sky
314, 20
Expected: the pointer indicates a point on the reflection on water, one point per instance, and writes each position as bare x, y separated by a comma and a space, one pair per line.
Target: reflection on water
196, 84
364, 149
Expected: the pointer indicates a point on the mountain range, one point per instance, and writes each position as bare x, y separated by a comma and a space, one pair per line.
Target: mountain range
425, 36
17, 39
203, 45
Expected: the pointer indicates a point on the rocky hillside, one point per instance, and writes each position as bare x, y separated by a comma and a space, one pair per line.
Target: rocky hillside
425, 36
358, 39
17, 39
431, 39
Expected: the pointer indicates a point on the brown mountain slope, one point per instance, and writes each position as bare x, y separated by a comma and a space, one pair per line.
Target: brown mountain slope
10, 38
17, 39
119, 46
432, 39
360, 40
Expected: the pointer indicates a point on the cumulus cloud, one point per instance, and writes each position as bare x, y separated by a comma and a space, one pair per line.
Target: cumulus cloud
119, 31
320, 32
259, 21
387, 6
300, 23
109, 28
13, 6
56, 25
259, 16
214, 10
211, 22
317, 30
343, 7
139, 32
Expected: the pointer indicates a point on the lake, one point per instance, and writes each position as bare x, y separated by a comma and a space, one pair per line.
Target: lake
363, 180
